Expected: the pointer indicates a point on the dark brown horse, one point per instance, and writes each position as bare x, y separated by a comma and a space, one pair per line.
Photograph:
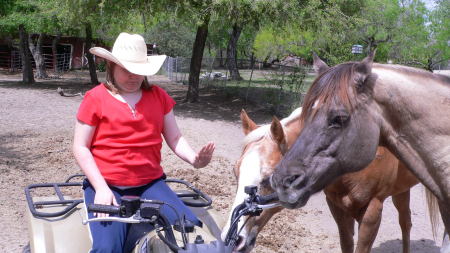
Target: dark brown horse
350, 110
354, 197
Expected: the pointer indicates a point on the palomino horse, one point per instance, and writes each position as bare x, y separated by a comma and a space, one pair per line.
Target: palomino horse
356, 196
352, 108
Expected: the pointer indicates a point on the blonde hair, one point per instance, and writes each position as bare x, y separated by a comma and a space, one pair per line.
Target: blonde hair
111, 84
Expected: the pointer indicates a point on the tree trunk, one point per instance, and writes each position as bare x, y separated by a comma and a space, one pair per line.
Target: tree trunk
55, 42
430, 65
232, 53
89, 56
36, 51
221, 58
196, 61
27, 69
252, 60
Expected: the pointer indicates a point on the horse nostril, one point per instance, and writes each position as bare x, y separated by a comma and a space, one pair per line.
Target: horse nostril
294, 181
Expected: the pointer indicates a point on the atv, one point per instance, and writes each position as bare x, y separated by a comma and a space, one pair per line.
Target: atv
57, 221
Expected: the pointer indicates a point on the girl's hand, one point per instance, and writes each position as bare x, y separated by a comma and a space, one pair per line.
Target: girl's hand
203, 157
104, 196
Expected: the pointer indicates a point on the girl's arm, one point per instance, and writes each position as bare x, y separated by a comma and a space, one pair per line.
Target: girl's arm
81, 143
181, 148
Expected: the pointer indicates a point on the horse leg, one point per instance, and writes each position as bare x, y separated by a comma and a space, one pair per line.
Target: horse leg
445, 214
401, 202
369, 223
346, 226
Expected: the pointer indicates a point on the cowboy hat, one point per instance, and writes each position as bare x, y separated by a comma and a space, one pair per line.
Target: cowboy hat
130, 52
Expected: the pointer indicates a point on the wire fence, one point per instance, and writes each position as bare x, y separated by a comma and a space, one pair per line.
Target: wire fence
279, 86
13, 61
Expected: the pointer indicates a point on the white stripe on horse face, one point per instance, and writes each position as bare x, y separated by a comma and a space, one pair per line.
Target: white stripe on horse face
249, 174
315, 104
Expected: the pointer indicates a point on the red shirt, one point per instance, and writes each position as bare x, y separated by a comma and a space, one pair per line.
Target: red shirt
126, 147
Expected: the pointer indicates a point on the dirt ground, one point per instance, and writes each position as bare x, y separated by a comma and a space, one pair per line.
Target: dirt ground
36, 130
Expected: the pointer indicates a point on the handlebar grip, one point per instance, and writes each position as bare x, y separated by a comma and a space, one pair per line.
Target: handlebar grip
262, 200
97, 208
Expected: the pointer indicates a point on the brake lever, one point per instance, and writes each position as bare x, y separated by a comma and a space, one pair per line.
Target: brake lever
113, 218
269, 206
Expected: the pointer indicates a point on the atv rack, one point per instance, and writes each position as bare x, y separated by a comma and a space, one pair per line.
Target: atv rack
61, 201
192, 197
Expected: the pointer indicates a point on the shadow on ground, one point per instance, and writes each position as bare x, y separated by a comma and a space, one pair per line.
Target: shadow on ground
15, 156
217, 104
69, 86
214, 103
417, 246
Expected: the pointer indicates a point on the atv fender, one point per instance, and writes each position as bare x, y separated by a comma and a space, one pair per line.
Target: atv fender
60, 234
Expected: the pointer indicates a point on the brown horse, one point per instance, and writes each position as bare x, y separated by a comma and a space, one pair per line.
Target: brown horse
351, 109
356, 196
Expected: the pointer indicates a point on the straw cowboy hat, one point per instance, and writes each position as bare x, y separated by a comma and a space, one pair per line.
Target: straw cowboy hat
130, 52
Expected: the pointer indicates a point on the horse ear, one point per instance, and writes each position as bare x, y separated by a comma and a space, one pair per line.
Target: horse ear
318, 65
247, 124
276, 129
364, 68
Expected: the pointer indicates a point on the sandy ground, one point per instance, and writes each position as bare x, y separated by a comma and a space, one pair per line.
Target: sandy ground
36, 130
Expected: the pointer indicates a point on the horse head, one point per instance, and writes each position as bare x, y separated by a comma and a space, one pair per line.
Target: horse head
337, 136
263, 148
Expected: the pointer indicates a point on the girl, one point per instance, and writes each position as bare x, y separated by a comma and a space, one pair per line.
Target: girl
117, 140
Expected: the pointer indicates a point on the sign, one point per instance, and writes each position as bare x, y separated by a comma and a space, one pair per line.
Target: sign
357, 49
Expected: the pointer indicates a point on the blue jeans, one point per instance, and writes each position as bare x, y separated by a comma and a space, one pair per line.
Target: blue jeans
111, 236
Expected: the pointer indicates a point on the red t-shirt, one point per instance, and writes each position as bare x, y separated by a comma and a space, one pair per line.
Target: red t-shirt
126, 147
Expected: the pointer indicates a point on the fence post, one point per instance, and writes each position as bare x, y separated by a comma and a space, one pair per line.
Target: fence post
249, 81
12, 61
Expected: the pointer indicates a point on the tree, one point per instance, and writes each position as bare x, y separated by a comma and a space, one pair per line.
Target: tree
36, 51
70, 11
314, 25
440, 34
196, 59
172, 36
27, 70
105, 19
37, 17
199, 12
273, 43
13, 22
246, 14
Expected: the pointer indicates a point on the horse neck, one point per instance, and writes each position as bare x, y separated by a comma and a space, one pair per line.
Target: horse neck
413, 109
413, 97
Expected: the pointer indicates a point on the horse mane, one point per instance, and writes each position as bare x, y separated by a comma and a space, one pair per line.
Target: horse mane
333, 85
327, 87
414, 71
264, 130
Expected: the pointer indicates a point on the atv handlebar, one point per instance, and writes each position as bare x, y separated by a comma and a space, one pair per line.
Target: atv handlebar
252, 206
109, 209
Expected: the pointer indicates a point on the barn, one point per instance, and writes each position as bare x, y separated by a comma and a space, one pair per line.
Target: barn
70, 53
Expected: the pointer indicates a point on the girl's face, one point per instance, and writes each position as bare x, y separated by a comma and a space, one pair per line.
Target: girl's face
127, 82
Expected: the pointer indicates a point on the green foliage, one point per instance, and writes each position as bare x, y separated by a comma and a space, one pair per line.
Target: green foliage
173, 37
440, 30
402, 31
101, 66
270, 43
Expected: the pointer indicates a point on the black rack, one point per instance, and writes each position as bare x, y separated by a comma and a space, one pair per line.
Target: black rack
192, 197
70, 203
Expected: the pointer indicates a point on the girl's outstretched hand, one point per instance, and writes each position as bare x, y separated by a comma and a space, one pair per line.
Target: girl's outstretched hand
204, 156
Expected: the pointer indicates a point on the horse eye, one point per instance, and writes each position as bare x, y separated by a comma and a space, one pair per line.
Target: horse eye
338, 121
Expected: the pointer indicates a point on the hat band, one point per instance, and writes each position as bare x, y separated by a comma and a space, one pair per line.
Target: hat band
131, 59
